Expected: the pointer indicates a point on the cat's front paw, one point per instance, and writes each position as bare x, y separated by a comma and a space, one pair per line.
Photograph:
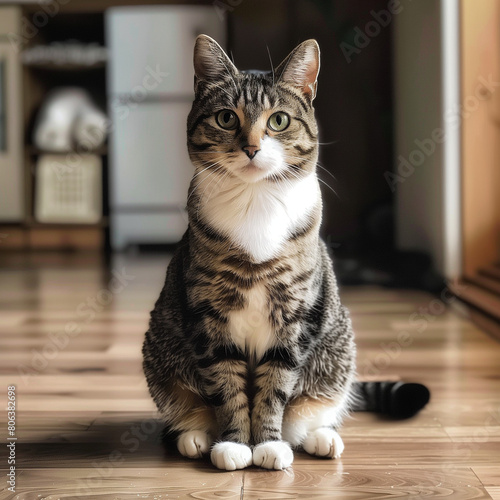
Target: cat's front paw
231, 456
193, 444
273, 455
324, 442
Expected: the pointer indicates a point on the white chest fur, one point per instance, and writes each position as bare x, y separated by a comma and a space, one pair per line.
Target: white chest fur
259, 217
250, 328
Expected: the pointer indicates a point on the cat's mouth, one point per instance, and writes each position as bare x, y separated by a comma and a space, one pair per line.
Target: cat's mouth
252, 167
256, 170
251, 172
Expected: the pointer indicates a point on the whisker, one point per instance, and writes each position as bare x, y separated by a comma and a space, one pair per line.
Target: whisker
231, 74
207, 152
214, 177
329, 187
218, 163
271, 61
223, 89
284, 69
317, 164
223, 180
327, 171
211, 174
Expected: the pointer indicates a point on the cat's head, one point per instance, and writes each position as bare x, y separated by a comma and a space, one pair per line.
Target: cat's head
257, 126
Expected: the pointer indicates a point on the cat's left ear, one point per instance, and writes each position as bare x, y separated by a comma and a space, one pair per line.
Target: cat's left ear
301, 68
210, 61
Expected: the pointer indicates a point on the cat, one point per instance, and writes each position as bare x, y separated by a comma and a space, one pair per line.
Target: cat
249, 352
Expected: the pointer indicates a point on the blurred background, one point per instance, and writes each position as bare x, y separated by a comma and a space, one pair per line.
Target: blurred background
93, 103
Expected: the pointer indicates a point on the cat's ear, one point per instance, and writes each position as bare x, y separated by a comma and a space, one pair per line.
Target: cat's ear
210, 61
301, 67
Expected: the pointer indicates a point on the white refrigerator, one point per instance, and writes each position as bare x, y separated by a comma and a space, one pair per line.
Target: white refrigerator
150, 91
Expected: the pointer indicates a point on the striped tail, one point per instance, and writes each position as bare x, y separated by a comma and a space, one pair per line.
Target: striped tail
396, 399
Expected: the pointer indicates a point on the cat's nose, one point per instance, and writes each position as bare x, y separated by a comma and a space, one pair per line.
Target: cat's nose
251, 151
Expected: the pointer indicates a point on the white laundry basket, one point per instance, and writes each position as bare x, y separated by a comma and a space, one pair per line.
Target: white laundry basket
68, 189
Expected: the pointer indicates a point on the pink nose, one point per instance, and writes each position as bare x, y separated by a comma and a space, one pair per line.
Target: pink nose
251, 151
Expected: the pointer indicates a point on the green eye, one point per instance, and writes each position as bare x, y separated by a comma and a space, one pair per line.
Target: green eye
227, 119
278, 121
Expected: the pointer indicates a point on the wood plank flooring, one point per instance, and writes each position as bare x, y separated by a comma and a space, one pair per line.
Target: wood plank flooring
86, 426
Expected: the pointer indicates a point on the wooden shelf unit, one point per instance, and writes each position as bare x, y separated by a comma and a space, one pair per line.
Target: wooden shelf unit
49, 66
37, 81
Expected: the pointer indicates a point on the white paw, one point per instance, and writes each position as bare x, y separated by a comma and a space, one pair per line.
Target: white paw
231, 456
273, 455
324, 442
193, 444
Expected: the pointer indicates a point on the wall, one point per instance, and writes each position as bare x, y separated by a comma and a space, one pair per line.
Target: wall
354, 101
427, 169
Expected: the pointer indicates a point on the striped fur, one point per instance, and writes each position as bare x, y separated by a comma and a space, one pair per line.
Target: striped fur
248, 342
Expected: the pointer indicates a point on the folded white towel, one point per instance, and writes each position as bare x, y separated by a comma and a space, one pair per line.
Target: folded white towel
90, 130
69, 118
53, 135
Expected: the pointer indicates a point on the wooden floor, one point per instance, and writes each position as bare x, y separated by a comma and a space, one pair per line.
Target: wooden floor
86, 426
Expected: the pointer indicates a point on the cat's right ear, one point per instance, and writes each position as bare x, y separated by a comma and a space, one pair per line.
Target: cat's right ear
210, 61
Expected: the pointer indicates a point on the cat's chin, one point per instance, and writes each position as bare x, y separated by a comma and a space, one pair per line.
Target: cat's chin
252, 173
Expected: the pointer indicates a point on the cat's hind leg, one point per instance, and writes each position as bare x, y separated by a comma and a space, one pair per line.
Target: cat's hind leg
311, 422
195, 440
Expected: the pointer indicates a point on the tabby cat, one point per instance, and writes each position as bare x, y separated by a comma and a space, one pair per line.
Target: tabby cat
249, 352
